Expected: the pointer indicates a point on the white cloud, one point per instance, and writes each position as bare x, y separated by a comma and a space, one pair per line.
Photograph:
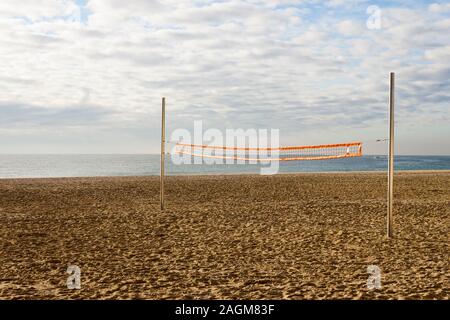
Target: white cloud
440, 54
439, 7
343, 3
36, 9
351, 28
233, 63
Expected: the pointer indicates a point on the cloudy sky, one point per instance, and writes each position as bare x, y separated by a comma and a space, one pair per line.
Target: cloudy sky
87, 76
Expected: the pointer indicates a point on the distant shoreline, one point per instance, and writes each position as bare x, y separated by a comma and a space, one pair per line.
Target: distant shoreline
66, 166
230, 174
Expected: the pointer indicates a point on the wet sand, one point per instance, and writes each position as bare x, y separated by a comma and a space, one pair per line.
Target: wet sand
297, 236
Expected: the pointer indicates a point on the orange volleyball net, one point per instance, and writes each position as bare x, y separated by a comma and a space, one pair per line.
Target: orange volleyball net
292, 153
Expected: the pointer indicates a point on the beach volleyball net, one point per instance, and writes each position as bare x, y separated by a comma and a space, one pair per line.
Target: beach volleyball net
291, 153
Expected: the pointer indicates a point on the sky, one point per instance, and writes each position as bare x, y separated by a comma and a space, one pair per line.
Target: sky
87, 76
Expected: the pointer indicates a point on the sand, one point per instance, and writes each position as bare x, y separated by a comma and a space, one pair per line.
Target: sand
302, 236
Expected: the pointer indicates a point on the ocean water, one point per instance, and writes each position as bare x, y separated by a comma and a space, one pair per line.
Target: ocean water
41, 166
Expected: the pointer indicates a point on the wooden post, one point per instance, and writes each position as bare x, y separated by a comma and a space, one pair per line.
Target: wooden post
163, 142
391, 156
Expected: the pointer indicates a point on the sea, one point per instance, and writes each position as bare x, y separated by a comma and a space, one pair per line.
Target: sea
93, 165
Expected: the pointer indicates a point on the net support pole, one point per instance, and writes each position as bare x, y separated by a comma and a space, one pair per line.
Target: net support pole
391, 156
163, 142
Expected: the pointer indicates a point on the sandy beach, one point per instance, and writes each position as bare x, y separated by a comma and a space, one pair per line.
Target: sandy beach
290, 236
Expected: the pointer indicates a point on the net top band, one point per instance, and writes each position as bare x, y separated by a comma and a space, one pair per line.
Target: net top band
323, 146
